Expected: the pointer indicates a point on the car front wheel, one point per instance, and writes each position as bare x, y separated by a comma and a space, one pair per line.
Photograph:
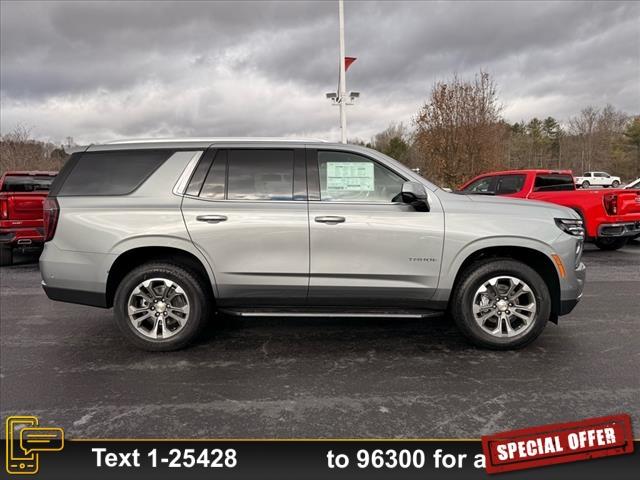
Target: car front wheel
501, 304
615, 184
586, 184
161, 306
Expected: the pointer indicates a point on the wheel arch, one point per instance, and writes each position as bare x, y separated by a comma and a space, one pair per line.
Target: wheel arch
537, 260
134, 257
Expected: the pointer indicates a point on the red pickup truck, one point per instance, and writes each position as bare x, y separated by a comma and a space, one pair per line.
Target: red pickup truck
21, 216
611, 217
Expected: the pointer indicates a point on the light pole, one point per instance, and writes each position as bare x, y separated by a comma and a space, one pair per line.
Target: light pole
342, 89
341, 98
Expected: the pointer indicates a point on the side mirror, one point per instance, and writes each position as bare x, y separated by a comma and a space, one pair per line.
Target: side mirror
415, 195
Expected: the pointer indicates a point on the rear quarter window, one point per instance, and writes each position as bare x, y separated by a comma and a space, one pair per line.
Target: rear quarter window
111, 172
553, 183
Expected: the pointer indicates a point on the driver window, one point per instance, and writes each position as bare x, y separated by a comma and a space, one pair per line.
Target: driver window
483, 185
347, 177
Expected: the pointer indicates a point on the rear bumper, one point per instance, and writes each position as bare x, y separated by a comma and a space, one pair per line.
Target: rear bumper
93, 299
22, 237
619, 229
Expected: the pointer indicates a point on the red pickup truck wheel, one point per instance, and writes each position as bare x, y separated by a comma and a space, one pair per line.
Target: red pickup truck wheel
6, 255
611, 243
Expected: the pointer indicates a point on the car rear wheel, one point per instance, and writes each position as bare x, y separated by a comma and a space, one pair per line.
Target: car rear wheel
161, 306
6, 255
611, 243
586, 184
501, 304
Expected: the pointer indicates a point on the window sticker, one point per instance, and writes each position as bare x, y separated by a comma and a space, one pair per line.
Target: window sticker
350, 176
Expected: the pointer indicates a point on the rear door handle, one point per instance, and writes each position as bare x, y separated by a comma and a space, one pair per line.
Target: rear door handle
212, 218
330, 219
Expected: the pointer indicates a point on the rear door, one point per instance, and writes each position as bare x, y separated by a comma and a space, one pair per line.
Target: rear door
366, 248
246, 211
601, 179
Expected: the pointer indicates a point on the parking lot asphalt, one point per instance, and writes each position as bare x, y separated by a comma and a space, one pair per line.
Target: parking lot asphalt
311, 378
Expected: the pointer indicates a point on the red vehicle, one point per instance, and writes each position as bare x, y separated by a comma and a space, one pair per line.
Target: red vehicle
21, 216
611, 217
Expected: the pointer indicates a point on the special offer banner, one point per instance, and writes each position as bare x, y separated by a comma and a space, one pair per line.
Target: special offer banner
560, 443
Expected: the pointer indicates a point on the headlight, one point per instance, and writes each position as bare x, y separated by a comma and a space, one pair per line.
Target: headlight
571, 226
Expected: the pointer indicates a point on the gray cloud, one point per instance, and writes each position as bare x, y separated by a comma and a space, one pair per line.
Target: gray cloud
101, 70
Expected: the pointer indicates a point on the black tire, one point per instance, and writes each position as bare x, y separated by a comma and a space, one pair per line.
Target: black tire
196, 291
473, 277
615, 184
611, 243
586, 184
6, 255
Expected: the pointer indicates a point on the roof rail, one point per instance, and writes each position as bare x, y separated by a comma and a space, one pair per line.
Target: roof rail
214, 139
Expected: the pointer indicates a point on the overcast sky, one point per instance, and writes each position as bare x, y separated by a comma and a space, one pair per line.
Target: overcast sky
100, 71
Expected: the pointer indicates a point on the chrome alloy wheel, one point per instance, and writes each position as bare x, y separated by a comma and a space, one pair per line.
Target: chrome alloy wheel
504, 306
158, 308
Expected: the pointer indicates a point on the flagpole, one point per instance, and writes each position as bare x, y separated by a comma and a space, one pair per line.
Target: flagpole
342, 93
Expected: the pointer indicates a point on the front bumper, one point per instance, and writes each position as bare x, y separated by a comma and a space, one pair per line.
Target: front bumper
619, 229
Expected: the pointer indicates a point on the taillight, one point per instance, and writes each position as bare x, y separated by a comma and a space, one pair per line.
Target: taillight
51, 214
610, 201
4, 208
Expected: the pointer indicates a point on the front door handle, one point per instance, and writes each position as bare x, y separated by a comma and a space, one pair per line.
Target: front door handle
330, 219
211, 218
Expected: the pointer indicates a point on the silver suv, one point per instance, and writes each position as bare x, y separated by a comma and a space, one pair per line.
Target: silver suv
167, 232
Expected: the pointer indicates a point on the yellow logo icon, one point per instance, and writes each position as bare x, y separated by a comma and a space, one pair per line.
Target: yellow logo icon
25, 440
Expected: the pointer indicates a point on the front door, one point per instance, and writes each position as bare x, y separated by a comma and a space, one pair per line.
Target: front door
246, 211
366, 248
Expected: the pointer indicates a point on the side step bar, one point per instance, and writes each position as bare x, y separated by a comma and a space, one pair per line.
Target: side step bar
333, 313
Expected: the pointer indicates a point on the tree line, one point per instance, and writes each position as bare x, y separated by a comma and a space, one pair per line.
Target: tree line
20, 151
459, 132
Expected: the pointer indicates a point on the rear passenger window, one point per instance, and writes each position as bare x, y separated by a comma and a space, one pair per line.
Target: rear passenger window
112, 173
260, 174
553, 183
510, 184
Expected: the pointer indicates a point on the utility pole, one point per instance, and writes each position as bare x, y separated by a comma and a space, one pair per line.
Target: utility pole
342, 89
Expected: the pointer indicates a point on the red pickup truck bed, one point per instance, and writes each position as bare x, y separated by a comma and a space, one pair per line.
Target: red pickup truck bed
21, 216
611, 216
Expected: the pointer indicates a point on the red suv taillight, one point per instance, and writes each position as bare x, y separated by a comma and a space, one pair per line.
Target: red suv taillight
51, 214
4, 208
610, 201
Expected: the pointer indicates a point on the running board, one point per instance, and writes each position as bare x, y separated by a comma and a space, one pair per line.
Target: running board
330, 313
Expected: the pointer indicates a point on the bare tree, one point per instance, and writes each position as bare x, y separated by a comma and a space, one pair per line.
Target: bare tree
458, 130
584, 127
20, 151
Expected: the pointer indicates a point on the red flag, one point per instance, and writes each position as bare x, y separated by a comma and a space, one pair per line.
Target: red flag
348, 61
